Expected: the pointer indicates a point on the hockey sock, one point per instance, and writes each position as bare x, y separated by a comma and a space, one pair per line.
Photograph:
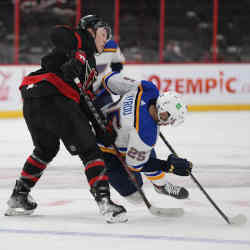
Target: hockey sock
157, 177
32, 170
96, 172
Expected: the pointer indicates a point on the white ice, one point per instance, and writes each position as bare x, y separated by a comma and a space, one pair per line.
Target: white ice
67, 218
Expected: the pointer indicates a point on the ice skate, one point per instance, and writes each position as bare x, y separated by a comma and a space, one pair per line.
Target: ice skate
112, 212
20, 202
172, 190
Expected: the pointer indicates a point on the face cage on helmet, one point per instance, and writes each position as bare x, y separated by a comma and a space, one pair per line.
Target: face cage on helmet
172, 119
96, 23
161, 122
107, 27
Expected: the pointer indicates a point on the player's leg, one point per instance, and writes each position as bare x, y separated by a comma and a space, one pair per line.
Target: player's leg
79, 140
46, 147
119, 180
172, 190
160, 181
163, 186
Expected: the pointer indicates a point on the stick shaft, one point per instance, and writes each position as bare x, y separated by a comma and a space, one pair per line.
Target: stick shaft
118, 154
197, 183
131, 176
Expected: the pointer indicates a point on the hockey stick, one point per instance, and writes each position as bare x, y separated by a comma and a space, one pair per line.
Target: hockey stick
236, 220
165, 212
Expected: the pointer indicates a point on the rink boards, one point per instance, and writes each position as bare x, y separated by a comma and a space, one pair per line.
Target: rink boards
205, 87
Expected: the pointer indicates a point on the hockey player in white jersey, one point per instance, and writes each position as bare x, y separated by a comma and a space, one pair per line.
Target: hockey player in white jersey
136, 118
110, 59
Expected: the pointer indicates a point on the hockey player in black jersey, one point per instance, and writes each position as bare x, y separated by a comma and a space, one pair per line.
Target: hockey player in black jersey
54, 110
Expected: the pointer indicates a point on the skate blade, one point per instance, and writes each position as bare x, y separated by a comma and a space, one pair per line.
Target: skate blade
18, 212
119, 218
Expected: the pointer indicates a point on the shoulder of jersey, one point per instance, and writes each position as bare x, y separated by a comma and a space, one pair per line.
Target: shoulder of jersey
110, 46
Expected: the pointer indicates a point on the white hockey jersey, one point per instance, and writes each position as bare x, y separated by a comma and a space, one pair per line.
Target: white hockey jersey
136, 130
110, 54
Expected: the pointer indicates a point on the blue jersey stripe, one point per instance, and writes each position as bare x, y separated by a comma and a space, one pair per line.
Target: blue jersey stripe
111, 44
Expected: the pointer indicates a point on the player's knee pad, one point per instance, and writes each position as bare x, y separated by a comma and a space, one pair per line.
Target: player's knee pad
90, 155
46, 155
134, 198
118, 177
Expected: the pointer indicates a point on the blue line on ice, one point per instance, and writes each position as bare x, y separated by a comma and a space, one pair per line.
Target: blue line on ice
127, 236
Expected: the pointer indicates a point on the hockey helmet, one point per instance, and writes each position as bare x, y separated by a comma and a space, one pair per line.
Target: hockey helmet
94, 22
172, 103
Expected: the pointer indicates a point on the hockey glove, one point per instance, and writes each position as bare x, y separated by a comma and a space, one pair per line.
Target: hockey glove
117, 67
106, 138
178, 166
75, 67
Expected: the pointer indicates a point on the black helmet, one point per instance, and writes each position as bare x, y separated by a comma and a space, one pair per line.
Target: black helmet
89, 21
94, 22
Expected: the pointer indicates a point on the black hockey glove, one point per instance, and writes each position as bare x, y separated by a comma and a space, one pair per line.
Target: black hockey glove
75, 67
117, 67
106, 138
178, 166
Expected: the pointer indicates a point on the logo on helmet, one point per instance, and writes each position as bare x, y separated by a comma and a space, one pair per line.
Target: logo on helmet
178, 106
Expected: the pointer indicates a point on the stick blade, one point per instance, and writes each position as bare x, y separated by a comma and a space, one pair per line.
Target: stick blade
166, 212
239, 219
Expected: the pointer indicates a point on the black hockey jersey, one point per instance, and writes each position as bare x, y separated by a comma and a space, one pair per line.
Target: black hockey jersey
49, 79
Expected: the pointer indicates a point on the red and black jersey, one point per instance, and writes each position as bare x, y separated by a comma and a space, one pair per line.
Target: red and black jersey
49, 80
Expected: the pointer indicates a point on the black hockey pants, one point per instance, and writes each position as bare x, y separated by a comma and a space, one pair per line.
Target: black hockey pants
54, 118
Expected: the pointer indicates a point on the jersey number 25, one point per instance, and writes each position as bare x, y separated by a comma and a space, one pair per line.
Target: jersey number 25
135, 154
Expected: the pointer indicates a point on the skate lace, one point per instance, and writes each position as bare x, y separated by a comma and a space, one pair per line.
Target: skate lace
171, 189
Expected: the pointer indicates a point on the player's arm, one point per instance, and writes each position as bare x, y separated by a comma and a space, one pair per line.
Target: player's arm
67, 42
139, 160
63, 39
173, 164
64, 42
118, 60
116, 67
118, 84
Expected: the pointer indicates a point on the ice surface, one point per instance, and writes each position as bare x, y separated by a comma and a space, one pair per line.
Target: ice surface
218, 143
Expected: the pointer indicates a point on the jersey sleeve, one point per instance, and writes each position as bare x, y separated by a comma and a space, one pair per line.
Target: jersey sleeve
150, 89
112, 47
118, 84
118, 57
